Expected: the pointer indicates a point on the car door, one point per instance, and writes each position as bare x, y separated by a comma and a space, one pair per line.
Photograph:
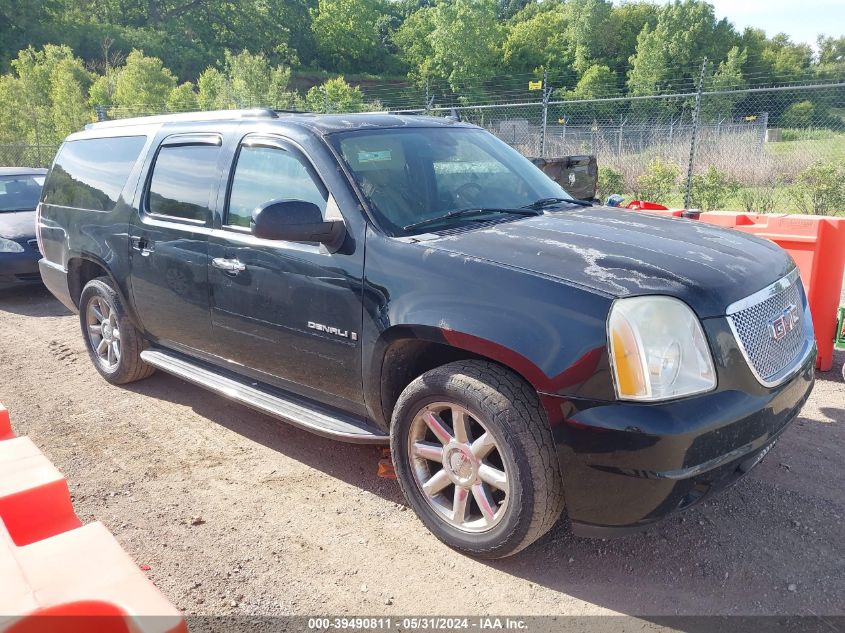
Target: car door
290, 312
169, 241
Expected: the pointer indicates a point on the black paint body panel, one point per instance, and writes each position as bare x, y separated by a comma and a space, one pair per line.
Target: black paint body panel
531, 293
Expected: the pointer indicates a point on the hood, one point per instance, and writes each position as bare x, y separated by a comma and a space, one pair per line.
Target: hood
623, 253
17, 225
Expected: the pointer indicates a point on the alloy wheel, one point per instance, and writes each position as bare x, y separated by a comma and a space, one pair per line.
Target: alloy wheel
103, 332
458, 467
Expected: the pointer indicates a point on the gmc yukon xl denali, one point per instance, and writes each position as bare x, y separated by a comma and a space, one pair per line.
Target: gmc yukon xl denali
415, 281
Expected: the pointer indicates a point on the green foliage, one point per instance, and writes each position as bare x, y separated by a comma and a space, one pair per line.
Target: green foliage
799, 114
686, 32
465, 42
247, 80
142, 85
183, 98
759, 199
610, 182
413, 40
69, 84
820, 189
334, 95
539, 43
658, 182
727, 76
347, 35
712, 189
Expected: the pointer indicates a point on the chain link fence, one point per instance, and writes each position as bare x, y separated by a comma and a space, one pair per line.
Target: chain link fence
762, 149
27, 155
737, 149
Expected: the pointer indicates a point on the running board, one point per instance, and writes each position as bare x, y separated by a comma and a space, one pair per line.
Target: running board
314, 419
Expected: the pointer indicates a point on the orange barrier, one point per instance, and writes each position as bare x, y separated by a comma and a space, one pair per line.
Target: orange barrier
5, 425
816, 243
58, 575
34, 497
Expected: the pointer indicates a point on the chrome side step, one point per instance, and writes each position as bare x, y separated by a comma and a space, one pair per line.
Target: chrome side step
314, 419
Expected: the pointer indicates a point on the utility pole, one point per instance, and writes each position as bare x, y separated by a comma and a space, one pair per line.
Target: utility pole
696, 113
547, 92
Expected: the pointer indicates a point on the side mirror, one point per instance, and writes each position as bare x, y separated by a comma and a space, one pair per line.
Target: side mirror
296, 221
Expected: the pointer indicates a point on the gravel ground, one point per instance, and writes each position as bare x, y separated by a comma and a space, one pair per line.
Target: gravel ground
237, 513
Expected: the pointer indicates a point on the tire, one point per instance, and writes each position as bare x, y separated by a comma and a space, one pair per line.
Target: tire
121, 364
495, 401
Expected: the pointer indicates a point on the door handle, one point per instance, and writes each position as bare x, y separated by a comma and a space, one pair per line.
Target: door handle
142, 245
228, 266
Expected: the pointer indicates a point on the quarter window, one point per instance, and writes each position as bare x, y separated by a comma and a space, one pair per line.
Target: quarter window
183, 180
91, 173
263, 174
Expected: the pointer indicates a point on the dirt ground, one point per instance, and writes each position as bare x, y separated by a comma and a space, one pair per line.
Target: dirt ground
236, 512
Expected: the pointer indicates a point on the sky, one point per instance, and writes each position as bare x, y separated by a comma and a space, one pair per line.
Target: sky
802, 20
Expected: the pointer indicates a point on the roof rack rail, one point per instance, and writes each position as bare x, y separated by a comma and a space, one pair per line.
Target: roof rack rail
210, 115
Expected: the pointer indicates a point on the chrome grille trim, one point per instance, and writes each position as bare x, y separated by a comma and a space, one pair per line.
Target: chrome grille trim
772, 361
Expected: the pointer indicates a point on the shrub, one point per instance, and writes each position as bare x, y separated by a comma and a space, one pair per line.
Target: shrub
759, 199
800, 114
658, 183
610, 182
711, 190
820, 189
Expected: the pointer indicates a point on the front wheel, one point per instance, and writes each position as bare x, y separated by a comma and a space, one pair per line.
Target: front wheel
475, 458
113, 342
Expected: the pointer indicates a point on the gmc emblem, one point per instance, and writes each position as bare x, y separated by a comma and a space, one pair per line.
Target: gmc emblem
784, 323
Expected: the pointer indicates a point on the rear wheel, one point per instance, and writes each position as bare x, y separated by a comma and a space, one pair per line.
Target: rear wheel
475, 458
113, 342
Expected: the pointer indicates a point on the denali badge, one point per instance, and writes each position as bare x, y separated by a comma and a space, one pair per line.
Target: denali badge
784, 323
333, 330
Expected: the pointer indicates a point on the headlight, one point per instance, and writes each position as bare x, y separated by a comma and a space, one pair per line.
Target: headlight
658, 350
10, 246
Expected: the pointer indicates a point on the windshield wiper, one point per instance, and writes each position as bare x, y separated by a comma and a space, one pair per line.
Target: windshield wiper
462, 213
542, 203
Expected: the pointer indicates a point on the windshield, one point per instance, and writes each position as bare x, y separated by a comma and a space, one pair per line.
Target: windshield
19, 193
415, 174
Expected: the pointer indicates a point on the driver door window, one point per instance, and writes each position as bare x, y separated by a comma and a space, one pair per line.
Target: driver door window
263, 174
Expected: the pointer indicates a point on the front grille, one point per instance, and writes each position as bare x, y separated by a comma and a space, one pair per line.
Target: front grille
33, 244
768, 355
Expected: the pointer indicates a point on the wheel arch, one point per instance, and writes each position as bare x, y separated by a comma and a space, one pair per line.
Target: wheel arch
82, 268
403, 353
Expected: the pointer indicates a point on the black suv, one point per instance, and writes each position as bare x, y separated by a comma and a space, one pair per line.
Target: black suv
386, 278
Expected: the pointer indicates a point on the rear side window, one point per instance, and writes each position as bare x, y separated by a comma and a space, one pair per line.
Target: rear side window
182, 181
91, 173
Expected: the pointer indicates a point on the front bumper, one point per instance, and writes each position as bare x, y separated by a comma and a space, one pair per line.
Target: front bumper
628, 465
19, 269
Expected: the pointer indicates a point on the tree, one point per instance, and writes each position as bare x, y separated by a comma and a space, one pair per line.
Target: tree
252, 81
538, 42
213, 90
728, 76
669, 54
466, 43
69, 83
182, 98
334, 95
347, 35
34, 71
586, 38
142, 85
597, 82
413, 40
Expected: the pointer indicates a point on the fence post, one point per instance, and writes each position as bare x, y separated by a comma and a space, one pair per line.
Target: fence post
764, 125
546, 94
620, 133
693, 142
